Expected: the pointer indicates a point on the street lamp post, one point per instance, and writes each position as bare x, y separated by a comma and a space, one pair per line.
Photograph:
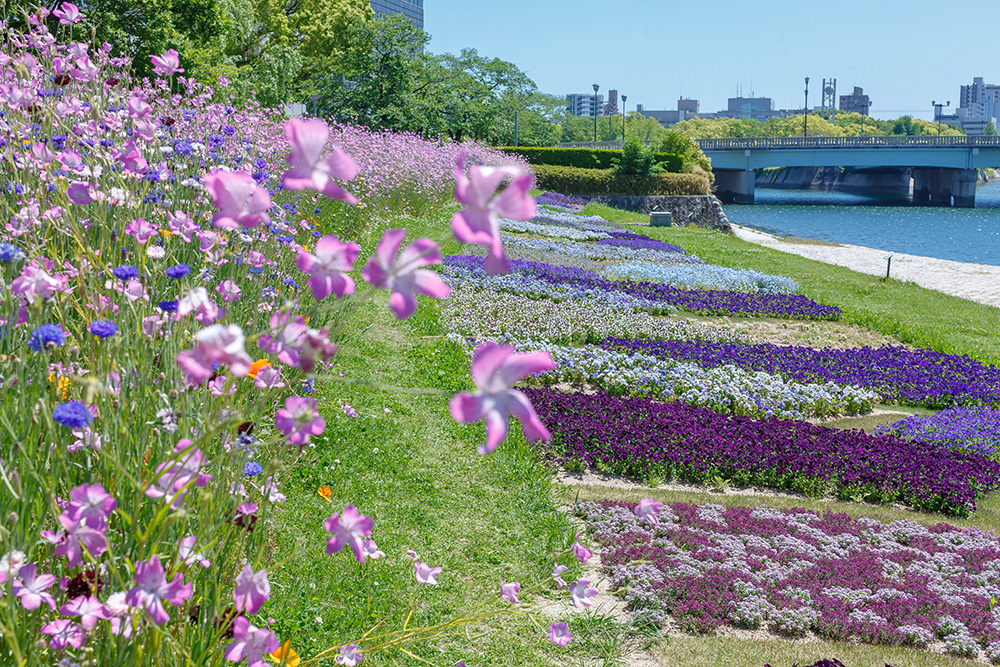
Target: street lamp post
595, 114
805, 111
937, 113
624, 97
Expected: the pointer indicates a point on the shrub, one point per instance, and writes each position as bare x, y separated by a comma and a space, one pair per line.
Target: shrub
590, 158
575, 181
635, 160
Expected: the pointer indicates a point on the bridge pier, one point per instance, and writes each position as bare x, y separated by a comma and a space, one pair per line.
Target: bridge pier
734, 186
940, 186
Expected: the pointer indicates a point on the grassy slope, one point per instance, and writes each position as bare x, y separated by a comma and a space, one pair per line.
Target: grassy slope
416, 472
913, 314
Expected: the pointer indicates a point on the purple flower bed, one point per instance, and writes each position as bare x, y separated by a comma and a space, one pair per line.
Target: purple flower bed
963, 429
898, 374
795, 570
556, 199
639, 242
645, 439
706, 302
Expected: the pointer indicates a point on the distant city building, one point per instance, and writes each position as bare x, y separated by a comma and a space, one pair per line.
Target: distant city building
411, 9
584, 104
856, 102
755, 108
687, 104
611, 108
978, 105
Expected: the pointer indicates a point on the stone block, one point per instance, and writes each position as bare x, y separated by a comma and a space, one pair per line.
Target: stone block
661, 219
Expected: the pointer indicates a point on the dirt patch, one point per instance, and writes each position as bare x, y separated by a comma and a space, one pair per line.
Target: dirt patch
816, 334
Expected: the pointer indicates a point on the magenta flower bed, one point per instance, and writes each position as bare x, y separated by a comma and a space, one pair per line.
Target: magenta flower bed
645, 439
796, 570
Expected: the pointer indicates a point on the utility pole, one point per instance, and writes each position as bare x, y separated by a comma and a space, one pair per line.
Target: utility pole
595, 114
624, 97
805, 112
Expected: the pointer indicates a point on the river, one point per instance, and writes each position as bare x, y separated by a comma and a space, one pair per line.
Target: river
960, 234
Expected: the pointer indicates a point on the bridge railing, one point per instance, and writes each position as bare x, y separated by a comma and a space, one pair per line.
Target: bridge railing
847, 142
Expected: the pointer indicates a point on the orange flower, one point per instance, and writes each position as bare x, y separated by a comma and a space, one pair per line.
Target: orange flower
286, 652
257, 365
325, 492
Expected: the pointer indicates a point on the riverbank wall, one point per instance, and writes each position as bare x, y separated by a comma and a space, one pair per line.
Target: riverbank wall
700, 210
882, 182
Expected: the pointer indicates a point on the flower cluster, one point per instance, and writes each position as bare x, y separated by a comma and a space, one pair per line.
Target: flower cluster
703, 277
961, 429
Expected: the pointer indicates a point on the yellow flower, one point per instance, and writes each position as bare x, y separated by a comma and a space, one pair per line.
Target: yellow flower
257, 365
286, 652
325, 492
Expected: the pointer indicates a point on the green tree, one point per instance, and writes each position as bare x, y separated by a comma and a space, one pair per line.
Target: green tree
636, 159
678, 143
990, 130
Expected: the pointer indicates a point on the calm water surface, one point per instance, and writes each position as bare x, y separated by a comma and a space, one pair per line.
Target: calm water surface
964, 235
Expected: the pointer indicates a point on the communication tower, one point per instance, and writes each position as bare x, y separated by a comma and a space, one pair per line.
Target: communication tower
829, 105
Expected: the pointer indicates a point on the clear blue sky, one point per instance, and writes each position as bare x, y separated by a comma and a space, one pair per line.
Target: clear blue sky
904, 54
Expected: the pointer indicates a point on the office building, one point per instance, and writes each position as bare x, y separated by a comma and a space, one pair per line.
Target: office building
611, 108
856, 102
411, 9
584, 104
755, 108
978, 105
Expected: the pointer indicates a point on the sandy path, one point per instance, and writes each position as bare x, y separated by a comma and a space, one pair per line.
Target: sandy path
975, 282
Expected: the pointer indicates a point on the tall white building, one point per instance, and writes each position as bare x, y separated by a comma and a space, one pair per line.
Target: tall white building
583, 104
978, 105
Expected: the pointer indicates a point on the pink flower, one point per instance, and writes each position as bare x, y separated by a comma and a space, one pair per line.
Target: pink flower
153, 590
167, 64
134, 290
404, 276
495, 368
581, 592
349, 655
89, 609
31, 588
80, 193
228, 290
250, 642
299, 420
91, 504
328, 267
647, 509
582, 553
268, 378
371, 549
252, 590
131, 158
187, 553
479, 221
349, 527
34, 282
68, 14
238, 199
64, 633
557, 573
273, 494
140, 229
509, 591
559, 634
308, 169
217, 343
137, 107
198, 301
426, 574
174, 478
79, 537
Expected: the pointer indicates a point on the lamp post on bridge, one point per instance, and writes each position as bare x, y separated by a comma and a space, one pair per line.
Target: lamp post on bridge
595, 114
624, 97
937, 112
805, 112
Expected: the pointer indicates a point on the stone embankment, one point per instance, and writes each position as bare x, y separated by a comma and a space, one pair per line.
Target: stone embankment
700, 210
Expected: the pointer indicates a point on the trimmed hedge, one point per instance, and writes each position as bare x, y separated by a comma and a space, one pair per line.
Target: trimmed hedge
575, 181
588, 158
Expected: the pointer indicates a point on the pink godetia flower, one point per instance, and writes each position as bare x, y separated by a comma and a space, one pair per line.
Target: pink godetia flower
35, 282
167, 64
153, 589
187, 554
84, 69
137, 107
250, 642
238, 200
140, 229
228, 290
273, 494
180, 223
479, 221
135, 290
131, 158
217, 385
198, 302
349, 410
581, 592
371, 549
309, 170
509, 592
495, 368
268, 378
32, 587
299, 420
80, 193
215, 344
425, 573
85, 437
582, 553
648, 509
174, 478
350, 656
403, 275
64, 632
557, 573
328, 265
285, 337
350, 528
78, 538
88, 608
315, 348
252, 590
68, 13
559, 634
91, 504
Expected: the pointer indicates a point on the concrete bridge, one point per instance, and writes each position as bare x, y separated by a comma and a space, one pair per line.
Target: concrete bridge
944, 168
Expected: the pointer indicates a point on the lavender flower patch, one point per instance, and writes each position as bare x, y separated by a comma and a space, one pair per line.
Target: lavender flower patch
583, 222
704, 276
490, 313
639, 242
646, 439
708, 302
601, 251
566, 201
963, 429
564, 231
898, 374
795, 570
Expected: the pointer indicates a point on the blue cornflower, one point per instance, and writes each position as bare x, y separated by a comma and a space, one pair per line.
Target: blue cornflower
73, 414
125, 272
317, 211
103, 328
45, 334
317, 234
260, 176
178, 271
10, 253
183, 147
309, 385
285, 238
168, 306
229, 130
252, 469
215, 140
291, 283
59, 141
153, 175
